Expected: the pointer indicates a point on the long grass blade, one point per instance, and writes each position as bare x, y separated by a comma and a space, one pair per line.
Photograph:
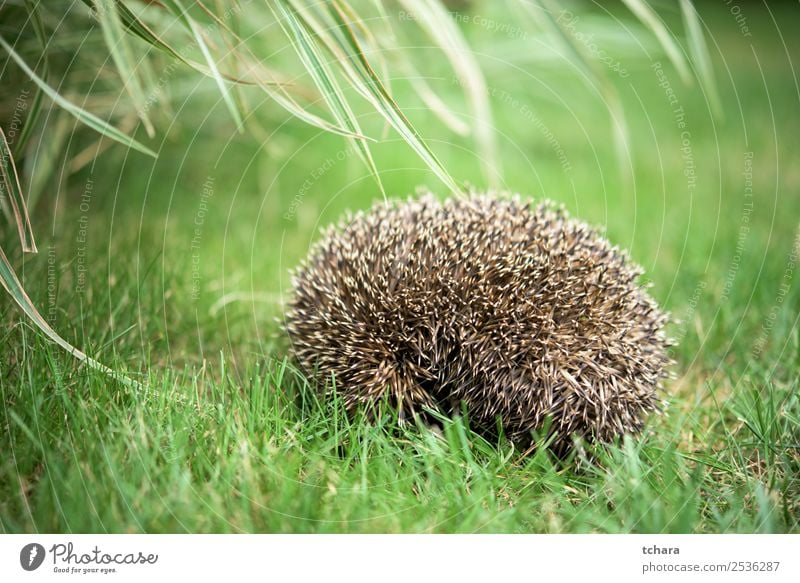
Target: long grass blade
369, 42
177, 8
49, 149
647, 16
82, 115
287, 102
314, 62
10, 282
438, 107
230, 39
544, 12
700, 56
122, 55
357, 68
36, 104
441, 29
273, 89
12, 192
144, 32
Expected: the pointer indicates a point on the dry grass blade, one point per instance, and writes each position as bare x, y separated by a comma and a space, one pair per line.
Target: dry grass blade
314, 62
12, 192
647, 16
354, 63
700, 56
373, 48
82, 115
442, 30
122, 54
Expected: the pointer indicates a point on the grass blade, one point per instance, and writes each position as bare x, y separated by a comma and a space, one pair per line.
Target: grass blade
36, 105
274, 90
122, 55
144, 32
433, 101
82, 115
314, 62
40, 170
544, 13
189, 23
10, 282
230, 46
647, 16
361, 74
140, 29
12, 192
441, 29
700, 56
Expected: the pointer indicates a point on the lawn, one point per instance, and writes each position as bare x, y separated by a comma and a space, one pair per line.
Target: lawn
175, 271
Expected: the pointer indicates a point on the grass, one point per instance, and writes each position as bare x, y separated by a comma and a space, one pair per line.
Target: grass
173, 270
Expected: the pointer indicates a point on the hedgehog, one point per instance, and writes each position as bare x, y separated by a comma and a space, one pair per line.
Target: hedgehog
511, 313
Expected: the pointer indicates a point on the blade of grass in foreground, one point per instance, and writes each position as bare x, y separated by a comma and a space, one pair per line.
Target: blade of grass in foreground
122, 54
355, 64
82, 115
314, 62
9, 186
12, 285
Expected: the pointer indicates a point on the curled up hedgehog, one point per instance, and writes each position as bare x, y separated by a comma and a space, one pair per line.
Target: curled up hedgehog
484, 304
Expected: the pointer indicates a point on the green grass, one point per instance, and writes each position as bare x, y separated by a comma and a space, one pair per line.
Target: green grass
228, 437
